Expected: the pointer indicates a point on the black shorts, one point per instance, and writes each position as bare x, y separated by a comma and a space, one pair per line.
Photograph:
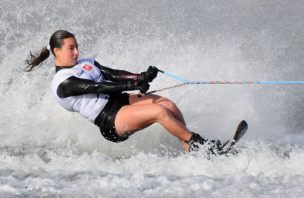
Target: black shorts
106, 118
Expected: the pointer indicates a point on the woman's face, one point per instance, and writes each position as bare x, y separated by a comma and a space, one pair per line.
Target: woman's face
67, 55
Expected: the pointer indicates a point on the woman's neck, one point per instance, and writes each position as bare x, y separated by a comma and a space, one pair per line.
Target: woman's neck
60, 64
62, 67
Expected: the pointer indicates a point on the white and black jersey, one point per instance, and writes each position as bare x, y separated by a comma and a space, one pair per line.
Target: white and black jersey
87, 86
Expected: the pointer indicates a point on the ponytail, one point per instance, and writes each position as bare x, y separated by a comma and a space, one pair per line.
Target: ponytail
56, 41
35, 61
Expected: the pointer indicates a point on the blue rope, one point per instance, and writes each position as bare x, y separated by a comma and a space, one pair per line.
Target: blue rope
294, 82
174, 76
280, 82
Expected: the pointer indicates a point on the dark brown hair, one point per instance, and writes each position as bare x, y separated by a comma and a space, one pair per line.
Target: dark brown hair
56, 40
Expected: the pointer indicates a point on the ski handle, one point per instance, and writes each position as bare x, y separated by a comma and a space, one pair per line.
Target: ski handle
184, 82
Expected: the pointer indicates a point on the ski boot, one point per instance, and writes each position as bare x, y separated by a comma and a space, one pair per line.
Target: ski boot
196, 141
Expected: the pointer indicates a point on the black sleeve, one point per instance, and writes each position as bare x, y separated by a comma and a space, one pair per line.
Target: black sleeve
74, 86
116, 75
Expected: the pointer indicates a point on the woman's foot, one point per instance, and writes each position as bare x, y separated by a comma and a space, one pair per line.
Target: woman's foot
196, 142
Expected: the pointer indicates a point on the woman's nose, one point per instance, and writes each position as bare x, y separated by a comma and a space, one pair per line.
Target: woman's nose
76, 52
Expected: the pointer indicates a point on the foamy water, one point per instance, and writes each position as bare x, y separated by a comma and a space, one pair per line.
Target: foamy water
48, 152
258, 170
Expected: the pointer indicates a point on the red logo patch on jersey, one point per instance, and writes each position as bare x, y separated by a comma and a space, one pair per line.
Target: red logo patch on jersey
87, 67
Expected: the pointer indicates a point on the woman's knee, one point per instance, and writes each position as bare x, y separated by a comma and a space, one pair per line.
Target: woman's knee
168, 104
161, 112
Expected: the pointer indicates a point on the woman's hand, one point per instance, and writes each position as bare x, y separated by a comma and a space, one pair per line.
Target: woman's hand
148, 75
143, 87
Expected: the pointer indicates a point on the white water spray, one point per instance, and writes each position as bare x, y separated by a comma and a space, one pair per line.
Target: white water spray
46, 151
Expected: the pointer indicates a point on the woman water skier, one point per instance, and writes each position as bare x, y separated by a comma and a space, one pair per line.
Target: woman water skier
98, 93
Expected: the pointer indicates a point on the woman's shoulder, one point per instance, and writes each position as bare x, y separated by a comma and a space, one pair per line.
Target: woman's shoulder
86, 60
74, 71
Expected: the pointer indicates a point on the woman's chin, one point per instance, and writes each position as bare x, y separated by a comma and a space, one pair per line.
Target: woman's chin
73, 62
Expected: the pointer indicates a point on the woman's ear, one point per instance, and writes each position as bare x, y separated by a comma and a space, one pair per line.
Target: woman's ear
56, 51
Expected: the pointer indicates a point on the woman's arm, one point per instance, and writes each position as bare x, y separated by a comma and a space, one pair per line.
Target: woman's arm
116, 75
122, 75
74, 86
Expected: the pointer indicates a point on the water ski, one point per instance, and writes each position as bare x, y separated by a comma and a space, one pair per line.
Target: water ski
240, 131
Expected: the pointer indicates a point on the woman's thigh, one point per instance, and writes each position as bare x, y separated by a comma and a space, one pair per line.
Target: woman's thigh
146, 99
156, 99
131, 118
